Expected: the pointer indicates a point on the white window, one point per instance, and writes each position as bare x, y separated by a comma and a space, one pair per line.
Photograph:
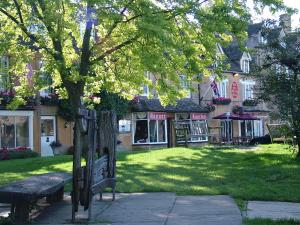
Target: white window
223, 88
196, 128
147, 131
45, 79
248, 91
251, 128
185, 85
4, 64
124, 126
245, 66
16, 129
145, 87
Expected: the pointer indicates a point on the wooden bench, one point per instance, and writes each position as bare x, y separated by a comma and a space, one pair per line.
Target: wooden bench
22, 194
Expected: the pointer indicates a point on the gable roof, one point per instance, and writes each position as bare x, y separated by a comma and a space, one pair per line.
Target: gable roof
254, 28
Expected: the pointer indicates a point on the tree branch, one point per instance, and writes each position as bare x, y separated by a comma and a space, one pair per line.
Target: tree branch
112, 50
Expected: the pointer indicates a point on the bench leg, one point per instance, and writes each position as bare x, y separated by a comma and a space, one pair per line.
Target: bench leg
100, 196
113, 193
56, 197
22, 212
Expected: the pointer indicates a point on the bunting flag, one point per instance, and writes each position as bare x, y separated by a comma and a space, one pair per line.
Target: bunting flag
214, 87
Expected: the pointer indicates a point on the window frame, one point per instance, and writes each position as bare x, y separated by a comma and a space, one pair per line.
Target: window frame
148, 129
220, 85
146, 86
185, 85
190, 121
28, 114
247, 84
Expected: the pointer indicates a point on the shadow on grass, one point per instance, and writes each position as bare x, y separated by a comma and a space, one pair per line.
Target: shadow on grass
242, 174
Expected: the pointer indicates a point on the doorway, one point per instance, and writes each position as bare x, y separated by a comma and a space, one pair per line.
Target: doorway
48, 134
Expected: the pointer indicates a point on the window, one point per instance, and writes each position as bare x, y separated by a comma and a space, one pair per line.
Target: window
124, 126
185, 85
248, 90
245, 66
145, 87
16, 130
226, 130
45, 79
223, 88
251, 128
147, 130
4, 64
196, 128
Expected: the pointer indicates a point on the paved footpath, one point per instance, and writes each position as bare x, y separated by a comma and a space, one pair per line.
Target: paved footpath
273, 210
150, 209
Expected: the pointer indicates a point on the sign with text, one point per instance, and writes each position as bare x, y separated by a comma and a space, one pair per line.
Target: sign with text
234, 89
157, 116
198, 116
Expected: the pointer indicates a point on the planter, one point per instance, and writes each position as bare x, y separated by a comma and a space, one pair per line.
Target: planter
237, 109
221, 101
250, 102
61, 150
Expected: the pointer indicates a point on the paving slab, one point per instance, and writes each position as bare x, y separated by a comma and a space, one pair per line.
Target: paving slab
273, 210
148, 209
206, 210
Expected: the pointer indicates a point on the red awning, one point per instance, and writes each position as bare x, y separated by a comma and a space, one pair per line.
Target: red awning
232, 116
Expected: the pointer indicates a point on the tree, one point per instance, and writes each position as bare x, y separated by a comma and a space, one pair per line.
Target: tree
278, 76
92, 45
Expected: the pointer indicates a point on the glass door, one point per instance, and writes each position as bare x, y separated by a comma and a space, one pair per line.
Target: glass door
48, 134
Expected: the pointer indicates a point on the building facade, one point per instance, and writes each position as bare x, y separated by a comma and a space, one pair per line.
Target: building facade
32, 126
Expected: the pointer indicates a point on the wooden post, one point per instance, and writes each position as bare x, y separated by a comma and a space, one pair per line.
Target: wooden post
108, 130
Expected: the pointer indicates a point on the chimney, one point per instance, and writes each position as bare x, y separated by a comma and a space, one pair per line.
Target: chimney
285, 22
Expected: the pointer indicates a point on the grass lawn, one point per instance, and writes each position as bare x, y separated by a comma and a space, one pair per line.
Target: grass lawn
269, 173
270, 222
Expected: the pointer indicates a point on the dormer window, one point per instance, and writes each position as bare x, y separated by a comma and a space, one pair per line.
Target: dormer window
245, 66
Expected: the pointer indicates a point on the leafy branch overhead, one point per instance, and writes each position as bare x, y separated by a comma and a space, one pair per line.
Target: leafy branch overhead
89, 46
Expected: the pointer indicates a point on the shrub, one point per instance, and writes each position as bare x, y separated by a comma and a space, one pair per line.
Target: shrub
249, 102
16, 154
221, 101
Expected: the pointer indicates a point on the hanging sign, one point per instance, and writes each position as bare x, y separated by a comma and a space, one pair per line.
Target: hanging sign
157, 116
198, 116
234, 89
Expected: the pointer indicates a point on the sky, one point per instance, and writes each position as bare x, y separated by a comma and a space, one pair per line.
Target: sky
291, 3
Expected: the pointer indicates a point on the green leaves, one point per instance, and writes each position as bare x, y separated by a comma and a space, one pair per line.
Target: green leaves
167, 38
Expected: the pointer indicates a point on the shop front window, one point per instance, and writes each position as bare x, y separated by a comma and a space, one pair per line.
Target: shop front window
196, 125
149, 130
14, 131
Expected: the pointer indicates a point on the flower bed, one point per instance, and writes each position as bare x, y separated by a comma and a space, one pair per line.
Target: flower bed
249, 102
51, 99
237, 109
221, 101
210, 107
18, 153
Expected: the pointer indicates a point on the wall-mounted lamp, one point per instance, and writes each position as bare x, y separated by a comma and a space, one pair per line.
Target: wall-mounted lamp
235, 75
67, 124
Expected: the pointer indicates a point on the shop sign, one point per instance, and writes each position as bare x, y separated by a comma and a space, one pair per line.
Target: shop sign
198, 116
157, 116
234, 89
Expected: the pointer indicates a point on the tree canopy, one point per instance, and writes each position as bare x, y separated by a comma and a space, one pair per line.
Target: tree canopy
279, 75
88, 46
